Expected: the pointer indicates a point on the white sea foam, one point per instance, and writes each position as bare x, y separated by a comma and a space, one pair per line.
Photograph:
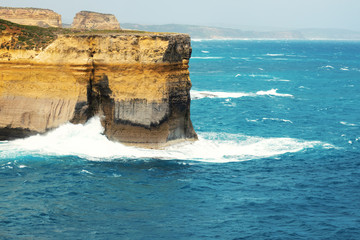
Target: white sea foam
207, 57
259, 75
277, 80
345, 69
348, 124
273, 92
327, 67
208, 94
87, 141
268, 78
275, 54
203, 51
86, 172
303, 87
269, 119
278, 120
252, 120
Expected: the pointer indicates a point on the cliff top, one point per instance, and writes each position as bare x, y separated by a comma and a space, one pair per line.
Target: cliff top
34, 37
87, 12
26, 8
95, 21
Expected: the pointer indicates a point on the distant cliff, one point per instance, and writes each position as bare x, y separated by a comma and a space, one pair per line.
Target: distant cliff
95, 21
31, 16
205, 32
138, 82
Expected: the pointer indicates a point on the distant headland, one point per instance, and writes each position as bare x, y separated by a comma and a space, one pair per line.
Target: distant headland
207, 32
84, 20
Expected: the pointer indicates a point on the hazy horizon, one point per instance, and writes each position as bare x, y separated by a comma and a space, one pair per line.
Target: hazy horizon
256, 14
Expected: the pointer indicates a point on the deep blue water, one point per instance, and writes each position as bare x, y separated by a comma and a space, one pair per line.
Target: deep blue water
278, 157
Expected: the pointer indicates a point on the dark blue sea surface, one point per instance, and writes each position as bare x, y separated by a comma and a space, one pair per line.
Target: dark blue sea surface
278, 157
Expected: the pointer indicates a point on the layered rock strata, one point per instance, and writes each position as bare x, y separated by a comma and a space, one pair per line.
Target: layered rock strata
31, 16
138, 83
86, 20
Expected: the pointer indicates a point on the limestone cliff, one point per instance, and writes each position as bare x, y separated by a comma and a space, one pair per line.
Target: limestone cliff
31, 16
138, 83
95, 21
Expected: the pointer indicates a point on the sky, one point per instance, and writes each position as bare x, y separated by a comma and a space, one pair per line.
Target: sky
272, 14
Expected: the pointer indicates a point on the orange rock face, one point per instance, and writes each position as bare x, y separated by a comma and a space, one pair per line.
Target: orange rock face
31, 16
95, 21
138, 83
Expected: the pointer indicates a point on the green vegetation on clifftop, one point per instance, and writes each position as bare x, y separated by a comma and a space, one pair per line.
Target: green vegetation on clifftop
37, 38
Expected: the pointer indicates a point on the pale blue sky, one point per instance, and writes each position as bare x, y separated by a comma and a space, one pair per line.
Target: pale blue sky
229, 13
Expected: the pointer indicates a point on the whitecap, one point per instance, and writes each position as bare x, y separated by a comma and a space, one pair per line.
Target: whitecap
86, 172
327, 67
269, 119
277, 80
254, 75
88, 142
229, 103
348, 124
251, 120
209, 94
273, 92
345, 69
275, 54
205, 51
207, 57
278, 120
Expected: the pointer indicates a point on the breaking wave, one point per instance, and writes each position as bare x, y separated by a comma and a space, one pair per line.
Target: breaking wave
209, 94
207, 57
87, 141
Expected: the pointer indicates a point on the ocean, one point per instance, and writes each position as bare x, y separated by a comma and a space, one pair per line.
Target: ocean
278, 157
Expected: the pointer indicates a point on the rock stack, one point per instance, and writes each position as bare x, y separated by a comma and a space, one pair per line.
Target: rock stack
31, 16
86, 20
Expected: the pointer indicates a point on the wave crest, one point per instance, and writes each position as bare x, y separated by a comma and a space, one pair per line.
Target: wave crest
208, 94
87, 141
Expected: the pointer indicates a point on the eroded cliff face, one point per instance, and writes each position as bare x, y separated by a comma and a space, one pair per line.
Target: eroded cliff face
95, 21
138, 83
31, 16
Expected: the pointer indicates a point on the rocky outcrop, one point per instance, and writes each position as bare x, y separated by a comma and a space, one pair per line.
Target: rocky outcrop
31, 16
138, 83
86, 20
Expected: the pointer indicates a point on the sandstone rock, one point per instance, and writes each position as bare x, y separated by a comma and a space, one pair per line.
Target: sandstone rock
138, 83
31, 16
95, 21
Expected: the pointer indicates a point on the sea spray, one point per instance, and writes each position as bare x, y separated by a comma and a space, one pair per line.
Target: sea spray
87, 141
210, 94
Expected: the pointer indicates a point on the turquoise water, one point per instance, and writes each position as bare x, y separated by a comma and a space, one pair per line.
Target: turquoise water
278, 157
